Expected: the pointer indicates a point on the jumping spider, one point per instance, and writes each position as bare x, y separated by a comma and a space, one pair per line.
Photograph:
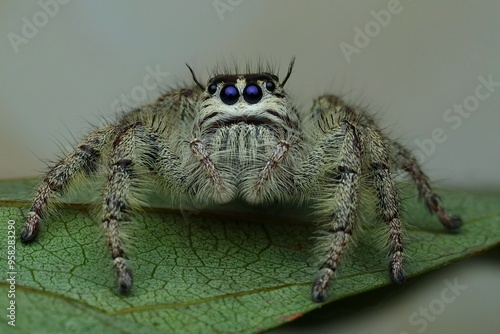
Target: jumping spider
241, 137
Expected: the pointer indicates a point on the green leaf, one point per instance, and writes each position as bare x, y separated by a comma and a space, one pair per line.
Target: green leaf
233, 270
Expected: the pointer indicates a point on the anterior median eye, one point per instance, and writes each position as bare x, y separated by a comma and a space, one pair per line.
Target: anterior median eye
252, 93
229, 94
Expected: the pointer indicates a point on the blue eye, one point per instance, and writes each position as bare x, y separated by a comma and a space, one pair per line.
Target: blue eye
252, 93
229, 94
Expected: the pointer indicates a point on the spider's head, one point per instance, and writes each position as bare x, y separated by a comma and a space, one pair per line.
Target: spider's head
256, 99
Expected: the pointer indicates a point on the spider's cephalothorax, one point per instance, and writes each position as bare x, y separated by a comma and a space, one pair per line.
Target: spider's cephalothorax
241, 137
244, 128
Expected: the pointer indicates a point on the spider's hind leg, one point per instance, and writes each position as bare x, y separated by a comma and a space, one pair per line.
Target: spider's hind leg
83, 160
407, 162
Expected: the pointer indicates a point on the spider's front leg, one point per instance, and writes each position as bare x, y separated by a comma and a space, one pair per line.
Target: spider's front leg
339, 210
135, 151
118, 199
351, 147
389, 204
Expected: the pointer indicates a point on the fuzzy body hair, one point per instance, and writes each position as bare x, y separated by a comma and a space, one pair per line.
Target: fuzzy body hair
241, 137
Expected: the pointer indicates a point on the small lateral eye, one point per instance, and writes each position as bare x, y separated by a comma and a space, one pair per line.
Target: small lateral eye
252, 93
229, 94
212, 89
270, 86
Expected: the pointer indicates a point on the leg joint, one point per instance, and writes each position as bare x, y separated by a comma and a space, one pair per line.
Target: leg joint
123, 163
378, 166
346, 170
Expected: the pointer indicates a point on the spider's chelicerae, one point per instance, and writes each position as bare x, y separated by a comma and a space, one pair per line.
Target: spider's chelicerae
241, 137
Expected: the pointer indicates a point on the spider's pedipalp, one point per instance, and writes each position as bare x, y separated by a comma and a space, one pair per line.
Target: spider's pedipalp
222, 190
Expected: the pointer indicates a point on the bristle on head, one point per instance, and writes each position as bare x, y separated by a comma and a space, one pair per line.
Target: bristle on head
233, 67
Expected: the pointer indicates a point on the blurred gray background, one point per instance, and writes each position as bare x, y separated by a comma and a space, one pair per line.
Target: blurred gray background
415, 64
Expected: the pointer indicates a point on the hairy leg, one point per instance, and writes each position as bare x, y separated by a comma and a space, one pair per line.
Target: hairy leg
407, 162
83, 159
136, 150
389, 205
340, 209
117, 200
